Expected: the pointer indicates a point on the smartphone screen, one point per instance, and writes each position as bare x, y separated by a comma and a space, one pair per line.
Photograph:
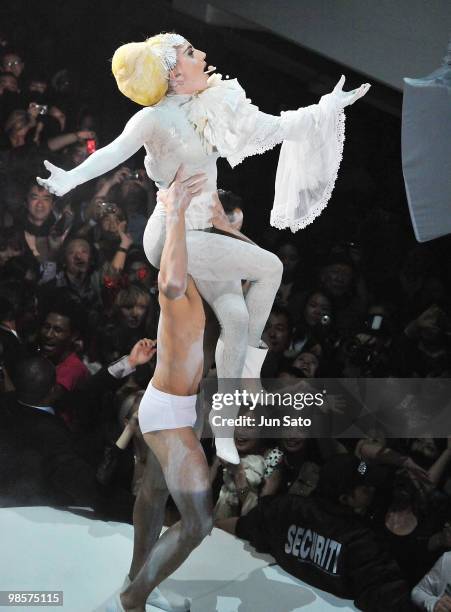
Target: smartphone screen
377, 322
90, 146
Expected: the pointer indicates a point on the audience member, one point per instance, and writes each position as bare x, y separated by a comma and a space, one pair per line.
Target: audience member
278, 336
328, 533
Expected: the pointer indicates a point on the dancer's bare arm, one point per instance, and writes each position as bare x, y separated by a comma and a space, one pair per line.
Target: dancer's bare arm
228, 524
173, 276
137, 131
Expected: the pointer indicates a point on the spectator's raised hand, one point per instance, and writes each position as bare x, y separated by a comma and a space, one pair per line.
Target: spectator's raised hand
86, 135
58, 182
120, 175
31, 242
55, 240
142, 352
428, 319
349, 97
133, 423
33, 110
126, 239
333, 404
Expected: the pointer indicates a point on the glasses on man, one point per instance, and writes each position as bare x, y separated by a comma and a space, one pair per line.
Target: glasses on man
14, 63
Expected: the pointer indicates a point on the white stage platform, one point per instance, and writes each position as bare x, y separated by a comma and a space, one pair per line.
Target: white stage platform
45, 549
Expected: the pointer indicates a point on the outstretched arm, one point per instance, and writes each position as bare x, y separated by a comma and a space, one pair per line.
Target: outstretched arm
172, 280
312, 143
137, 131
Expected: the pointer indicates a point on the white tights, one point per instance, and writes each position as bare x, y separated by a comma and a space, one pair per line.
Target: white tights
218, 264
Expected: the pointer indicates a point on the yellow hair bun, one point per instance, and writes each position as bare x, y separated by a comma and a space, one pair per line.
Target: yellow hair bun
139, 72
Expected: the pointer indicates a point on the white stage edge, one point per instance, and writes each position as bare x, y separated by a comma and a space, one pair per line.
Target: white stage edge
44, 549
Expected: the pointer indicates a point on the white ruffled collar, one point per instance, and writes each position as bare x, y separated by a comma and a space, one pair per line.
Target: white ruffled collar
208, 110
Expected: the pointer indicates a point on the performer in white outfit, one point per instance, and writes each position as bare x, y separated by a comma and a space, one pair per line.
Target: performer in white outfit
193, 119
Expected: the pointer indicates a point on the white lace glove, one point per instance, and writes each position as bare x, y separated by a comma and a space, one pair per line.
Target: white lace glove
58, 182
345, 98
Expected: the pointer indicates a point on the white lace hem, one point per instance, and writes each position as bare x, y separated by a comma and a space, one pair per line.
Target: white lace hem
255, 148
282, 219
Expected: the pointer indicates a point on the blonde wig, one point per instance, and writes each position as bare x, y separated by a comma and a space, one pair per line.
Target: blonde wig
142, 69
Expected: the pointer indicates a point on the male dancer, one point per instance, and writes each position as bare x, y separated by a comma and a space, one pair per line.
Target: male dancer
167, 415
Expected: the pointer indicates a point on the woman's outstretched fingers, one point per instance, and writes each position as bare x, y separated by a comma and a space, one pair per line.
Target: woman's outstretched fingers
50, 167
340, 83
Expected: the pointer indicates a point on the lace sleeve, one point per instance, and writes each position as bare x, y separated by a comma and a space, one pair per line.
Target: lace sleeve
308, 163
312, 144
256, 133
310, 156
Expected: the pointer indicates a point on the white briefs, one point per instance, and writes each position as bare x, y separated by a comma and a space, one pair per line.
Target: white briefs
159, 410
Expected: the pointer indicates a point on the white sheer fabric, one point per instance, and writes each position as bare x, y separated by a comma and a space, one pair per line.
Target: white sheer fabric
308, 163
311, 153
227, 124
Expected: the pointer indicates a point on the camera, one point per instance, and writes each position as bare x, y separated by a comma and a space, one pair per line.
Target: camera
325, 320
134, 176
108, 208
370, 357
359, 354
42, 108
90, 146
375, 324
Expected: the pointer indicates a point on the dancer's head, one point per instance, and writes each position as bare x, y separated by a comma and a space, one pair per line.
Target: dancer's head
146, 71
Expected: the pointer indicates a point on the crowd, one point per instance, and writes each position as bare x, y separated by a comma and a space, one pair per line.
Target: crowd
78, 296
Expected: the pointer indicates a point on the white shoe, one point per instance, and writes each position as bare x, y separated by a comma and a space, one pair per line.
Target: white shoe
252, 368
226, 449
254, 361
169, 601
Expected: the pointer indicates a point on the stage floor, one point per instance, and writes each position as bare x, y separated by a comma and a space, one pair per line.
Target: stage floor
45, 549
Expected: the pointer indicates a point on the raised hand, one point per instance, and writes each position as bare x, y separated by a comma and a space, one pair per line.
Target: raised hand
86, 135
142, 352
58, 182
126, 239
349, 97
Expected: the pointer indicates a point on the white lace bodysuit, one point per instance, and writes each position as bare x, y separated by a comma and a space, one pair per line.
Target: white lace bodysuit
195, 130
220, 121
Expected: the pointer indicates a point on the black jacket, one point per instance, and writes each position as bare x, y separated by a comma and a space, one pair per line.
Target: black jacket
12, 351
40, 462
329, 547
43, 463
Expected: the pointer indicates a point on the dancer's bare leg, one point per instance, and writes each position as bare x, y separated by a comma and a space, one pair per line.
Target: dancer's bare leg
150, 505
185, 469
149, 510
148, 513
